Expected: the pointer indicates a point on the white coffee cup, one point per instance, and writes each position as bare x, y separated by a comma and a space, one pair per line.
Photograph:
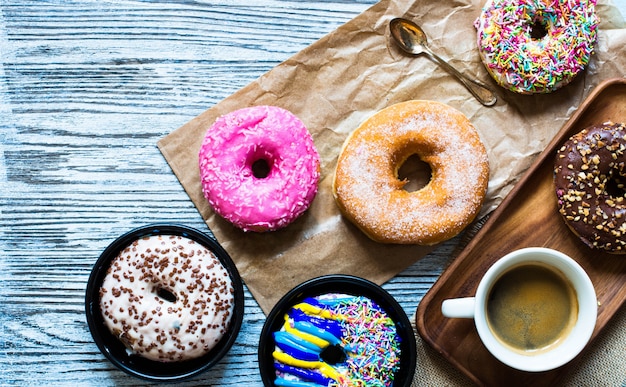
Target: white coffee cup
571, 340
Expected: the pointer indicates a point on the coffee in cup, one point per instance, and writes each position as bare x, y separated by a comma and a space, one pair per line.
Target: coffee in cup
532, 307
535, 309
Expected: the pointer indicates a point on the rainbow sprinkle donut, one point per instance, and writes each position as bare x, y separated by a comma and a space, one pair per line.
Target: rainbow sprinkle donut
336, 340
536, 46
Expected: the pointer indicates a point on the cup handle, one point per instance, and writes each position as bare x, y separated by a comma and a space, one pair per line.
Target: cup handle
458, 307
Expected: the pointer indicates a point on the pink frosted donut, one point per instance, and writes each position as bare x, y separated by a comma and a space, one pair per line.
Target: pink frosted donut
259, 168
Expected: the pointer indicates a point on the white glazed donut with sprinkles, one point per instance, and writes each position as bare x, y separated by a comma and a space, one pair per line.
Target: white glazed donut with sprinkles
536, 46
167, 298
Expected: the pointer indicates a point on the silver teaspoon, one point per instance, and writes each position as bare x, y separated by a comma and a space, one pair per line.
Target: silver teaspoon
412, 39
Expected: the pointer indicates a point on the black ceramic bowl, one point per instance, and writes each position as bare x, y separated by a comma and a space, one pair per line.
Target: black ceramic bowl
113, 348
343, 284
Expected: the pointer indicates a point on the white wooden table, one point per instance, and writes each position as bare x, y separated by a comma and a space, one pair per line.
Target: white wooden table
87, 87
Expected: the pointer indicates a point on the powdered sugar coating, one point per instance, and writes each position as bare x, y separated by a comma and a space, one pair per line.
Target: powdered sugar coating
149, 325
541, 64
369, 193
231, 147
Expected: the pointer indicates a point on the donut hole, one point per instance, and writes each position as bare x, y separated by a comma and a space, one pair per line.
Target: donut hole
333, 354
415, 173
539, 29
615, 186
165, 294
261, 168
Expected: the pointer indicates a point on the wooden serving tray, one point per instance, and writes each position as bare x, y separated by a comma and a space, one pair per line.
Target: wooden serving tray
527, 217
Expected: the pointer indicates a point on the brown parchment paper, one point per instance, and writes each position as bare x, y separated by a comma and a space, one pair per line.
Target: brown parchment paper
339, 81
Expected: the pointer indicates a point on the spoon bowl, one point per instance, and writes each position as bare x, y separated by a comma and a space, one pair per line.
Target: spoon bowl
413, 40
409, 36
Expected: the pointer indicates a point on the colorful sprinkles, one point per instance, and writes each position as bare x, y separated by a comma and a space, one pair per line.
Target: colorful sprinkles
520, 60
336, 340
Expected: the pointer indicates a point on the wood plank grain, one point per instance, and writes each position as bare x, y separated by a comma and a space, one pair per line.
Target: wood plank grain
86, 90
528, 217
87, 87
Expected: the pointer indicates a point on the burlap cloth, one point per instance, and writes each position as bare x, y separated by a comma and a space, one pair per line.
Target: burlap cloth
603, 363
346, 76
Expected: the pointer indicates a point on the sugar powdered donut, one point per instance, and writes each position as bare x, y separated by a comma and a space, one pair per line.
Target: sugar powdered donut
167, 298
590, 178
536, 46
369, 193
259, 168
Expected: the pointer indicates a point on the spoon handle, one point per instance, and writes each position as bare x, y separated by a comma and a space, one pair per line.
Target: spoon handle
481, 92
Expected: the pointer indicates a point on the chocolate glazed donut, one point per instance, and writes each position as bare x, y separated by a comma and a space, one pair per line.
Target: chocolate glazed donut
589, 175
